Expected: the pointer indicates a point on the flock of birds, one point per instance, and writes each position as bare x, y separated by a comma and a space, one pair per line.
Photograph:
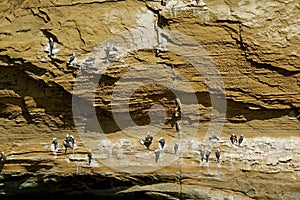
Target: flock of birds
52, 50
110, 52
69, 142
147, 141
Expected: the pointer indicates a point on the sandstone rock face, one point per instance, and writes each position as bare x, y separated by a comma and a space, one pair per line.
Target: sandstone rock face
234, 65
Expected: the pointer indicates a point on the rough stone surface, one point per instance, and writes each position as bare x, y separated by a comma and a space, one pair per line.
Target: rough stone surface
254, 46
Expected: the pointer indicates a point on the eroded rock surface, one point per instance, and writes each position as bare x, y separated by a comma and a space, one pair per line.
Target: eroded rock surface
249, 57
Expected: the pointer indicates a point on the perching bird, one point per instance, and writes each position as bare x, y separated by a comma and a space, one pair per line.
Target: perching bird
157, 153
176, 148
54, 144
177, 111
2, 160
178, 128
69, 142
72, 60
51, 46
178, 105
90, 157
147, 141
233, 138
218, 154
162, 143
207, 155
241, 138
66, 145
202, 154
111, 51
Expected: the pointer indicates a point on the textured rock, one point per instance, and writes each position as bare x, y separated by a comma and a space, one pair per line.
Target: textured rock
253, 46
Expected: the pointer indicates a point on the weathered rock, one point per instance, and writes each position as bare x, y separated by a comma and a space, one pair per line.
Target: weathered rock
285, 159
253, 45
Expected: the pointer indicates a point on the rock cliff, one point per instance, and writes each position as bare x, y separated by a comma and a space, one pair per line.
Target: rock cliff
234, 65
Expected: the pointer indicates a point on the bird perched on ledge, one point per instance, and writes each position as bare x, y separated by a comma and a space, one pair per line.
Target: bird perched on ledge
72, 60
157, 154
202, 154
178, 128
90, 156
176, 148
2, 160
51, 48
241, 138
54, 145
162, 143
147, 141
207, 155
69, 142
218, 154
233, 138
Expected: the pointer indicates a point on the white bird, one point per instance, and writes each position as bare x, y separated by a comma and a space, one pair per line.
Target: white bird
178, 128
178, 104
54, 145
51, 46
69, 142
111, 52
72, 60
157, 154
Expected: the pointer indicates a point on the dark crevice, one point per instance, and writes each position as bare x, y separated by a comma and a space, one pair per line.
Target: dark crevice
244, 47
44, 15
52, 97
80, 35
49, 35
23, 30
25, 112
228, 21
56, 62
270, 67
11, 61
241, 43
4, 33
238, 109
161, 20
77, 4
9, 20
84, 186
